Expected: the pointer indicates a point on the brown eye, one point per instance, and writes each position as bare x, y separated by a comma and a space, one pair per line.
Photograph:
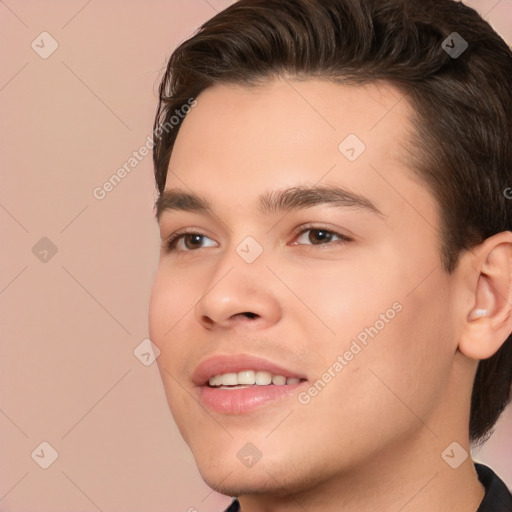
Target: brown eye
319, 236
192, 241
186, 242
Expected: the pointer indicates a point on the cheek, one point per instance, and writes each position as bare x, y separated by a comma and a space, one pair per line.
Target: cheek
403, 360
384, 386
345, 296
172, 299
396, 339
171, 302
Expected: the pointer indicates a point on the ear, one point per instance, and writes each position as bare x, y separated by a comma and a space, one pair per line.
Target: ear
488, 323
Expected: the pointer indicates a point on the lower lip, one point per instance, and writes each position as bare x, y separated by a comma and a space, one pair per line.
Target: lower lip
237, 401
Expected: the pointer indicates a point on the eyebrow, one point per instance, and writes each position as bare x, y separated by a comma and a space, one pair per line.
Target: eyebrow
278, 201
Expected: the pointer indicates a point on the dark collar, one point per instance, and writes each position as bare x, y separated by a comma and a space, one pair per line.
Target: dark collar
234, 507
497, 497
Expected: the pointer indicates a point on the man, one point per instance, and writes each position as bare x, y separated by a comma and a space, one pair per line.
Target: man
333, 297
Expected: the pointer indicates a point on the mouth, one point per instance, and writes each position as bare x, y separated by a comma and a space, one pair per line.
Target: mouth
248, 378
240, 384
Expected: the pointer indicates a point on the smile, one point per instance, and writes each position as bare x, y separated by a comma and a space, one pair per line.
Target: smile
235, 384
249, 378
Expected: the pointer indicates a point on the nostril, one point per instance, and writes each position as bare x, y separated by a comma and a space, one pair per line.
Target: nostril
207, 321
248, 314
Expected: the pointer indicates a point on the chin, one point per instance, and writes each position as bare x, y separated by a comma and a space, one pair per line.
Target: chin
270, 476
231, 481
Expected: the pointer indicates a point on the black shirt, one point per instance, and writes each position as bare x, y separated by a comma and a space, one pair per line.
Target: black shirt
497, 497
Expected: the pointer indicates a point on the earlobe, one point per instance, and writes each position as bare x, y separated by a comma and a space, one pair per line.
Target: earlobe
477, 313
489, 321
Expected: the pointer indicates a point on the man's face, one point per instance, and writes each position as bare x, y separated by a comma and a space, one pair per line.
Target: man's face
344, 289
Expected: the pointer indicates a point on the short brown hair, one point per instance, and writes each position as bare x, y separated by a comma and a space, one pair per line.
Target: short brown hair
462, 146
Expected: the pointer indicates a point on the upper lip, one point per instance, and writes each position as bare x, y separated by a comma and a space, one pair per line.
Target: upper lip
220, 364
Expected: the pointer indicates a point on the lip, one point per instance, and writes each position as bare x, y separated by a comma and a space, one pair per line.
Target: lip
219, 364
242, 400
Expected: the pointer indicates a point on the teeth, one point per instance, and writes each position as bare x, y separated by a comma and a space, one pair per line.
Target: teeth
278, 380
216, 380
229, 379
263, 378
247, 377
251, 377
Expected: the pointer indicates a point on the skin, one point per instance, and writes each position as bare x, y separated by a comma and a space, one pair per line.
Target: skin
373, 437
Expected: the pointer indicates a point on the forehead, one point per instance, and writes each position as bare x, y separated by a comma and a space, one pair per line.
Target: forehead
325, 111
239, 142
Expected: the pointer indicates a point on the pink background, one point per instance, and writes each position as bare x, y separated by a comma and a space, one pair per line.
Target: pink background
68, 374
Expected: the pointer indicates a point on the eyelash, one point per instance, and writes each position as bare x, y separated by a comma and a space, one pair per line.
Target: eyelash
171, 242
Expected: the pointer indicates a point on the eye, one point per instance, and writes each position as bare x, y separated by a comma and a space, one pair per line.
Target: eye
319, 236
186, 242
192, 241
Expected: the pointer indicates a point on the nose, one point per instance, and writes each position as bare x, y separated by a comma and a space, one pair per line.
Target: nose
239, 293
